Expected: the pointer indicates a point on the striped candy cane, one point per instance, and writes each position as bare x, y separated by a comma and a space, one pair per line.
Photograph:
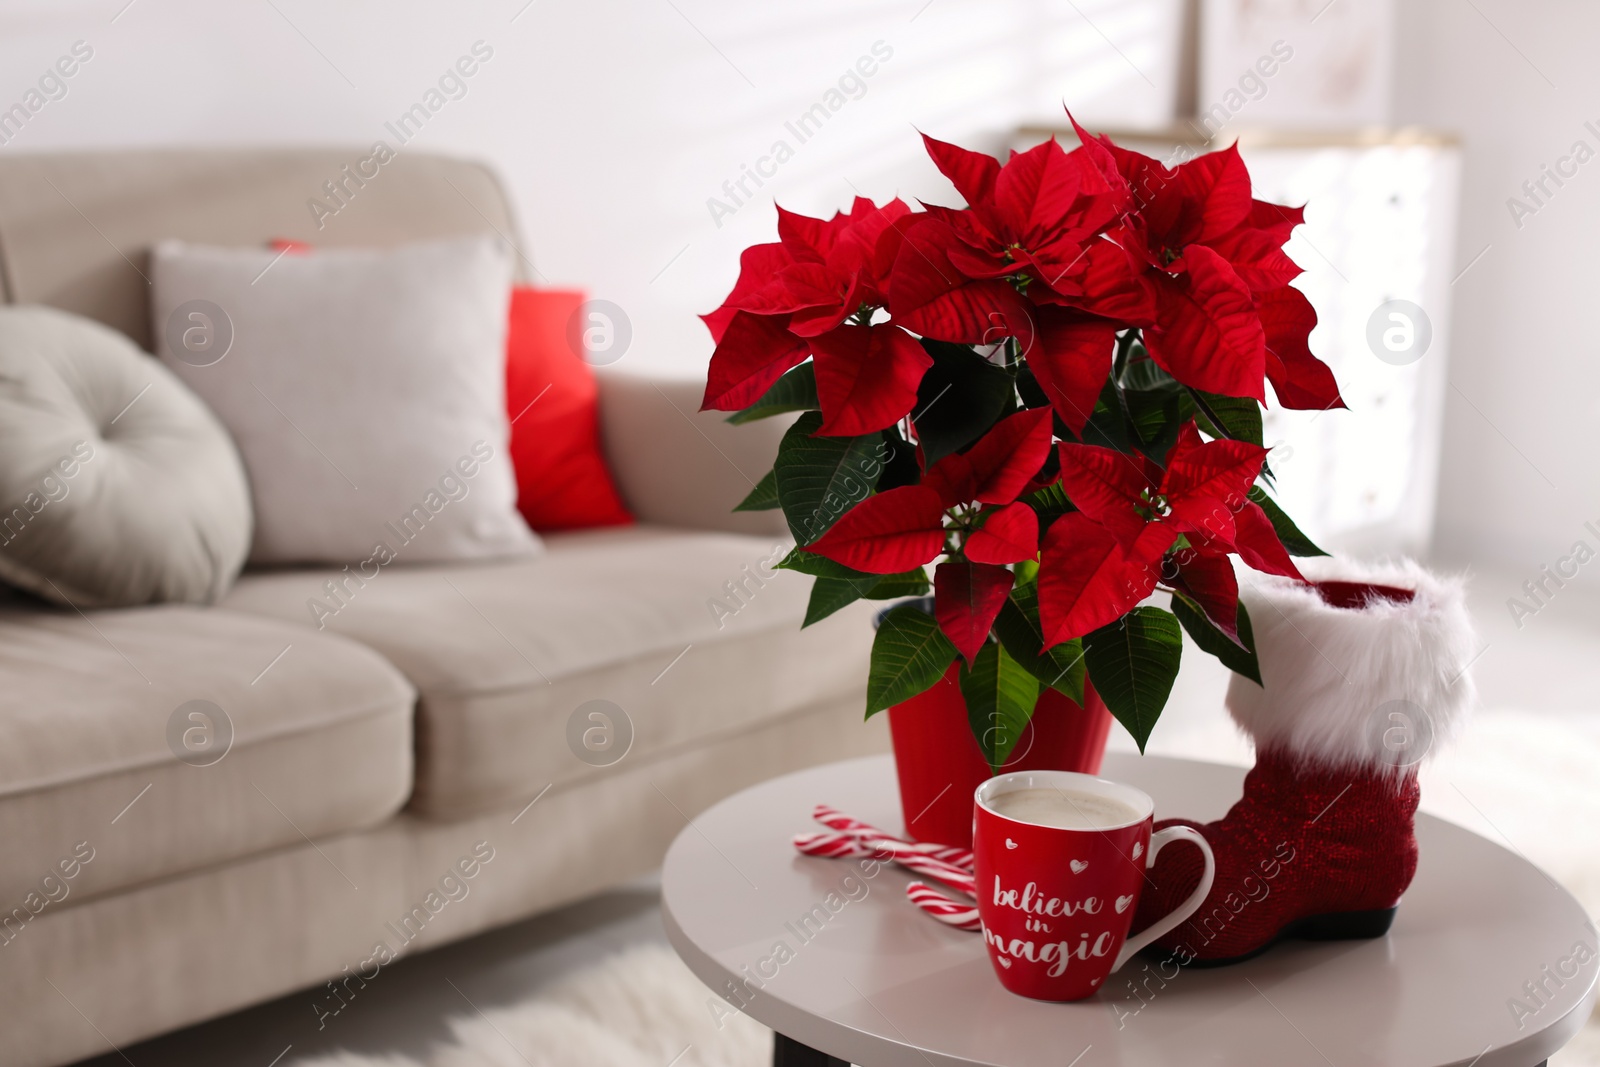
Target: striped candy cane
842, 845
953, 866
963, 916
838, 820
833, 846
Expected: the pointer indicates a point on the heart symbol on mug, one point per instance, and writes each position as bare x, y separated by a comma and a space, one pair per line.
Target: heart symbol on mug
1138, 849
1004, 962
1123, 902
1078, 866
1010, 843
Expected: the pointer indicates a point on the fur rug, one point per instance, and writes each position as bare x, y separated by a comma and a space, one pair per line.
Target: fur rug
642, 1008
639, 1008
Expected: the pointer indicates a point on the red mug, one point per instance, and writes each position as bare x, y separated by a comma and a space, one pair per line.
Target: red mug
1056, 901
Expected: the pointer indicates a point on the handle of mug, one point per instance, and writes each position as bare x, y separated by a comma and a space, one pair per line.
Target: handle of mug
1191, 903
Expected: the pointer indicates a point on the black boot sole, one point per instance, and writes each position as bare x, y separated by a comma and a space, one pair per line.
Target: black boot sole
1334, 926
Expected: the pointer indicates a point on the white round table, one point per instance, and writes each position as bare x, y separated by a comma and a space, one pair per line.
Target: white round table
866, 978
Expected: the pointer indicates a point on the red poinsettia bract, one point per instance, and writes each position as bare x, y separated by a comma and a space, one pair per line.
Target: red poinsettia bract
905, 528
792, 300
1226, 315
1056, 251
1102, 561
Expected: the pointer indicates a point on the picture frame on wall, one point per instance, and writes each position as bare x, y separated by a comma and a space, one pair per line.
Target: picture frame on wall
1320, 64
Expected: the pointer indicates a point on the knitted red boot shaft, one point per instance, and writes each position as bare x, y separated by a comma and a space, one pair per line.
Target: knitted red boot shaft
1310, 850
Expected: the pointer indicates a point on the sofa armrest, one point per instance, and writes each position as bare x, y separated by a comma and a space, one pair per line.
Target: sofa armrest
678, 466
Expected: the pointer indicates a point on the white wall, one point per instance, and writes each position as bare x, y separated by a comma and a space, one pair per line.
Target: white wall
1518, 80
613, 121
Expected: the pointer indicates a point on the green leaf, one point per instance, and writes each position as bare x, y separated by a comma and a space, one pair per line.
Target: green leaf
1017, 626
960, 397
821, 478
1029, 389
909, 655
1000, 696
828, 595
764, 497
795, 391
1155, 414
1155, 404
1238, 417
1205, 633
1296, 542
894, 586
1127, 346
1108, 425
900, 467
1133, 663
821, 566
906, 583
1146, 374
1049, 503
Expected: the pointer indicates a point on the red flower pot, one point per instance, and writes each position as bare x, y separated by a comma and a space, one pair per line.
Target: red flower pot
940, 766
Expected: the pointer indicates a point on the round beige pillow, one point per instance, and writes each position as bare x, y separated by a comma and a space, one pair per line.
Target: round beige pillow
117, 484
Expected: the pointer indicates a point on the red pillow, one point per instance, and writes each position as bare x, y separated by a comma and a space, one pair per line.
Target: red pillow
553, 402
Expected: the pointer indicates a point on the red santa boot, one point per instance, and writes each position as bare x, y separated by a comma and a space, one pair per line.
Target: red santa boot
1362, 672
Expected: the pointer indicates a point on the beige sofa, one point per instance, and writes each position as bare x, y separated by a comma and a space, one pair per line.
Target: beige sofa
369, 760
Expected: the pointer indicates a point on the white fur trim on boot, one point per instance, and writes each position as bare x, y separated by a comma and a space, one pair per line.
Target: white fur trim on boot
1376, 686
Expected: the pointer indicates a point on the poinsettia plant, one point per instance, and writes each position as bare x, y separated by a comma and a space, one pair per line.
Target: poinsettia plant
1053, 396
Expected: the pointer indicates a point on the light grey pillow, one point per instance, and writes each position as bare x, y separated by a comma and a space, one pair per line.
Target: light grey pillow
117, 485
365, 389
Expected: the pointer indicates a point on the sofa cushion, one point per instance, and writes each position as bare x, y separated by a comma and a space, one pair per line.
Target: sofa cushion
118, 487
563, 482
688, 633
140, 744
365, 389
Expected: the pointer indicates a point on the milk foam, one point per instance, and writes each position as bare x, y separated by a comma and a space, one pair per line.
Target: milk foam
1065, 808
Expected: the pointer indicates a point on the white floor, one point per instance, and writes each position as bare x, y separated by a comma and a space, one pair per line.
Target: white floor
1524, 774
